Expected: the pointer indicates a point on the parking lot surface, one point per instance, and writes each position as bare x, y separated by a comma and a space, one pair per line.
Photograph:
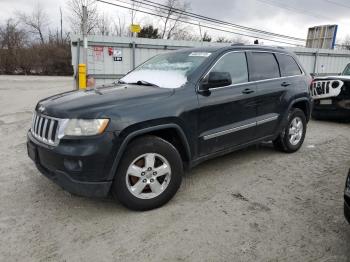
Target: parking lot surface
256, 204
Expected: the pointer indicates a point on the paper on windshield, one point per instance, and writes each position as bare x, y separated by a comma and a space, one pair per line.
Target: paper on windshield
201, 54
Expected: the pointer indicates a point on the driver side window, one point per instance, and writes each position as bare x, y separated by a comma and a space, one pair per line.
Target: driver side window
235, 64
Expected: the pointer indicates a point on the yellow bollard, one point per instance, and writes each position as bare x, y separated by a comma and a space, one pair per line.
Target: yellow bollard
82, 76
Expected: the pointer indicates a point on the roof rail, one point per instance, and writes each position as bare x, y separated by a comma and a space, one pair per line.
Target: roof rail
237, 44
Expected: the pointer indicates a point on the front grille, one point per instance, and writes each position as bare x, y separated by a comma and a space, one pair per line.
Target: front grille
45, 129
320, 88
326, 88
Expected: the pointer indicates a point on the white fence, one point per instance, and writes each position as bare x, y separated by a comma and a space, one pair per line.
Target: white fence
110, 58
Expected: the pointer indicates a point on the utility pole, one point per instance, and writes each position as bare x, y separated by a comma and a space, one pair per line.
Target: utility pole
200, 31
61, 26
85, 40
83, 67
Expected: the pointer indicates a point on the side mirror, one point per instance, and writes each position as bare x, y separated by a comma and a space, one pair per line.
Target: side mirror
216, 79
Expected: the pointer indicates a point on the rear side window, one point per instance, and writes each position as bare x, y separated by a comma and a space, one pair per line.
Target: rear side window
288, 65
264, 66
235, 64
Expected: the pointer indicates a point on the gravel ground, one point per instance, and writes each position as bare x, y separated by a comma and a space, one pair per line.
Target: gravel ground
253, 205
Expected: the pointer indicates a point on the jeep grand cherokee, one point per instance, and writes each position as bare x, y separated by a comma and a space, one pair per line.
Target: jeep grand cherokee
133, 138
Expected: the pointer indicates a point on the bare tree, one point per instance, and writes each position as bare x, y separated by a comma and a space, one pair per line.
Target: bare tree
346, 43
185, 33
133, 12
234, 40
222, 39
104, 25
119, 27
206, 37
172, 16
12, 39
76, 15
37, 21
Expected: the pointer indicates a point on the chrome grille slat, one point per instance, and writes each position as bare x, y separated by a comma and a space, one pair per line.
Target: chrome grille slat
43, 132
44, 128
33, 121
49, 136
40, 127
36, 122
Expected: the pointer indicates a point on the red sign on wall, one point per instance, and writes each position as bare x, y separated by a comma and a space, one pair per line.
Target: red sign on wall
98, 53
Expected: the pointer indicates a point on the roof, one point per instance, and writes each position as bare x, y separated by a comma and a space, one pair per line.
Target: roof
235, 47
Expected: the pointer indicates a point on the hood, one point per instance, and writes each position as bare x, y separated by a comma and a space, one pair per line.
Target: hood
95, 102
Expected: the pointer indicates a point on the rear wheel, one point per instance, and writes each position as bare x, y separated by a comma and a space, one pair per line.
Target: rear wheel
149, 175
292, 137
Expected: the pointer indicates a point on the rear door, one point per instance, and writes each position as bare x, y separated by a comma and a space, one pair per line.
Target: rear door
271, 89
227, 114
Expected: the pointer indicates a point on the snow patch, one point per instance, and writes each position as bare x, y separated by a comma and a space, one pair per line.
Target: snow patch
162, 78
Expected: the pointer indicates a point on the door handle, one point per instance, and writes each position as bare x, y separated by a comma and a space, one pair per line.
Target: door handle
248, 91
285, 84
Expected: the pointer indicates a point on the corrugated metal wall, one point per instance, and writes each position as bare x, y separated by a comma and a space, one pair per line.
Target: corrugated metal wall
102, 65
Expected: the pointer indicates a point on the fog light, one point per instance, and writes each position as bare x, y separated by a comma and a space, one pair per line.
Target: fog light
73, 165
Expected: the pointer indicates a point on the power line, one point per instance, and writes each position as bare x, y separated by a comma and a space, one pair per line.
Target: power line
196, 24
198, 16
167, 12
293, 9
338, 4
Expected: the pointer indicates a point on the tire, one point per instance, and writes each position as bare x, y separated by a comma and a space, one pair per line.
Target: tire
285, 142
129, 186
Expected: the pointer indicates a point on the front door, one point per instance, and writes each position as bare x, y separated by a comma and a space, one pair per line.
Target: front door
227, 115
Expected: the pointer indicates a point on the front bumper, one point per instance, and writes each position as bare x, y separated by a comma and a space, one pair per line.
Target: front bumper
331, 112
81, 188
81, 167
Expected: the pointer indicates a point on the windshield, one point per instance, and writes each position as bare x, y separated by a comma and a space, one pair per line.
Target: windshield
168, 70
347, 71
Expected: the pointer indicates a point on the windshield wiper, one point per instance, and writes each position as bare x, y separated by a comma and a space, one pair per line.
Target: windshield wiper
143, 83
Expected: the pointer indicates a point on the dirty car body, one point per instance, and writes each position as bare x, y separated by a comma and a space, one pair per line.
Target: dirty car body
194, 123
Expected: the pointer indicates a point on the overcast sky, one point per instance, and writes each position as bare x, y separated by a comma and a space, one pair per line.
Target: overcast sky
289, 17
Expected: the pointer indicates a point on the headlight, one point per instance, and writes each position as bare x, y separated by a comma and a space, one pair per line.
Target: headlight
85, 127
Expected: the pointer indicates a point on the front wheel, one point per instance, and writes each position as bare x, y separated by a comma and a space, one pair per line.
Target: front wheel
292, 137
149, 175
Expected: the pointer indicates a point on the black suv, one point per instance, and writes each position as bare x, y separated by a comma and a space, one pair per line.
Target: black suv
135, 137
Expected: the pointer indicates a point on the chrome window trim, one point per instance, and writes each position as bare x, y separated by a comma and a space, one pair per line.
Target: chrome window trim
239, 128
250, 82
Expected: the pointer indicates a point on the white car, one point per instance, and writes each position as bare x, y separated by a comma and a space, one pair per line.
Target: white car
331, 96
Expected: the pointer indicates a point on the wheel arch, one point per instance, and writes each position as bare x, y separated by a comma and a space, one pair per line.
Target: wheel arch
304, 105
164, 131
